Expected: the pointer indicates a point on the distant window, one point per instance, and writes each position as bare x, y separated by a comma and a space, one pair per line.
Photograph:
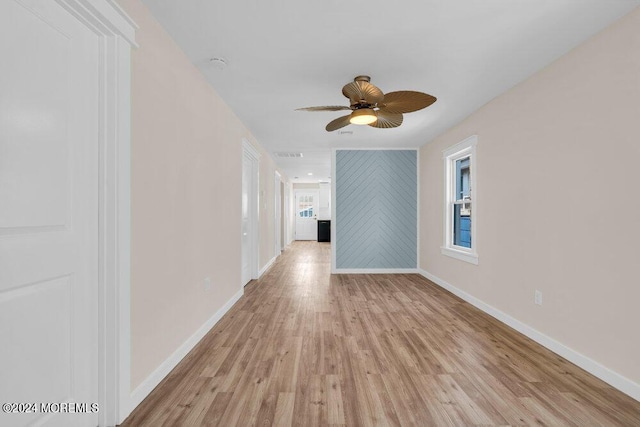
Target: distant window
460, 197
305, 207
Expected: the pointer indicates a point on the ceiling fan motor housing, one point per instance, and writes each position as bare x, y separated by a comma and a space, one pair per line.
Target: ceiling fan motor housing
362, 104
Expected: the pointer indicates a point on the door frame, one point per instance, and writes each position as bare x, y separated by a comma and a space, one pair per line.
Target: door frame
253, 155
115, 31
277, 215
286, 215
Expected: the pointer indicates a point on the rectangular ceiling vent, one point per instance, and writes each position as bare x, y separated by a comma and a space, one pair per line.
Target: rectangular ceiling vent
288, 155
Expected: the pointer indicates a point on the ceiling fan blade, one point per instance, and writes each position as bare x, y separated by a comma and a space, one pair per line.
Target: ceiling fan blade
358, 91
387, 120
405, 101
338, 123
324, 108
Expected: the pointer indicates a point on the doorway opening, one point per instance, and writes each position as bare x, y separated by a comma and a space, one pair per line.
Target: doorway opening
250, 208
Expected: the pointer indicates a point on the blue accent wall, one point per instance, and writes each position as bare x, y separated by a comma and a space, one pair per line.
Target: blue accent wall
376, 209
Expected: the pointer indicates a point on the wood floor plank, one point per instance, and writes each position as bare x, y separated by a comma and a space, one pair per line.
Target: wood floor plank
216, 409
335, 412
470, 412
284, 409
303, 347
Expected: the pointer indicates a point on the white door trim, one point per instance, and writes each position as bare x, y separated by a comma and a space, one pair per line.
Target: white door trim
116, 35
254, 210
277, 214
286, 214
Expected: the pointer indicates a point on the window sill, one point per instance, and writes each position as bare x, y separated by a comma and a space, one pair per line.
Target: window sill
469, 257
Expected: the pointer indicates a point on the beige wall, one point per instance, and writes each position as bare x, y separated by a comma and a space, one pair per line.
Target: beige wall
557, 200
186, 184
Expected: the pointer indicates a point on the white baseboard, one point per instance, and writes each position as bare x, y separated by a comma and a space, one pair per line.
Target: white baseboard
374, 271
612, 378
147, 386
267, 266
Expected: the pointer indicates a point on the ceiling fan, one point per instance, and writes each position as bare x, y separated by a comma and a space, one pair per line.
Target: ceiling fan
369, 106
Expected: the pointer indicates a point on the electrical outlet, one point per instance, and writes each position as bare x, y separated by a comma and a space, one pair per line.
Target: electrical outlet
537, 298
207, 283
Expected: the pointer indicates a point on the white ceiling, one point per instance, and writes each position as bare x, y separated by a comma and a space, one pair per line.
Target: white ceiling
287, 54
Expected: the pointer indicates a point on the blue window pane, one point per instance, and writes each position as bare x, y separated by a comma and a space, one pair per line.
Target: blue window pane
462, 226
463, 173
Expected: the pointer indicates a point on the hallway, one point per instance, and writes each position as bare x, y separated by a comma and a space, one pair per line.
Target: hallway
306, 348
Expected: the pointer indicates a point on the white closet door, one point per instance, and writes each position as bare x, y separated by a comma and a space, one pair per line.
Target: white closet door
48, 214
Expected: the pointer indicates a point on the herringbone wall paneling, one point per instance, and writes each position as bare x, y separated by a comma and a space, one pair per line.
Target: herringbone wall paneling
376, 209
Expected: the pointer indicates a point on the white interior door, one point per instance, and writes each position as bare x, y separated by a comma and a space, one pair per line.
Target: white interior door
278, 214
286, 215
247, 199
306, 215
48, 214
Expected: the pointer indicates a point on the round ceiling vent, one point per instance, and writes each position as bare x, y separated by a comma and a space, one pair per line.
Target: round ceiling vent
218, 63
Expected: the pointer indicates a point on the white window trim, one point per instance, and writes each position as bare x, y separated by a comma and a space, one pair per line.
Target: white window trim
450, 155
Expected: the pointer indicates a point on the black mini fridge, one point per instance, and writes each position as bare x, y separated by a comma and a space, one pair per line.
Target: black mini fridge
324, 230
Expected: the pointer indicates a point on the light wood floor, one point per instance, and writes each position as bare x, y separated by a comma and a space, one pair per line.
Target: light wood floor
306, 348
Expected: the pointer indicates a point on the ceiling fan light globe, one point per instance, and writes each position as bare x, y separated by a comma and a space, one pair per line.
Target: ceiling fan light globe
363, 116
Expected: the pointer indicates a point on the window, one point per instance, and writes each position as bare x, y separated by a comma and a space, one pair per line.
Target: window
460, 201
305, 206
